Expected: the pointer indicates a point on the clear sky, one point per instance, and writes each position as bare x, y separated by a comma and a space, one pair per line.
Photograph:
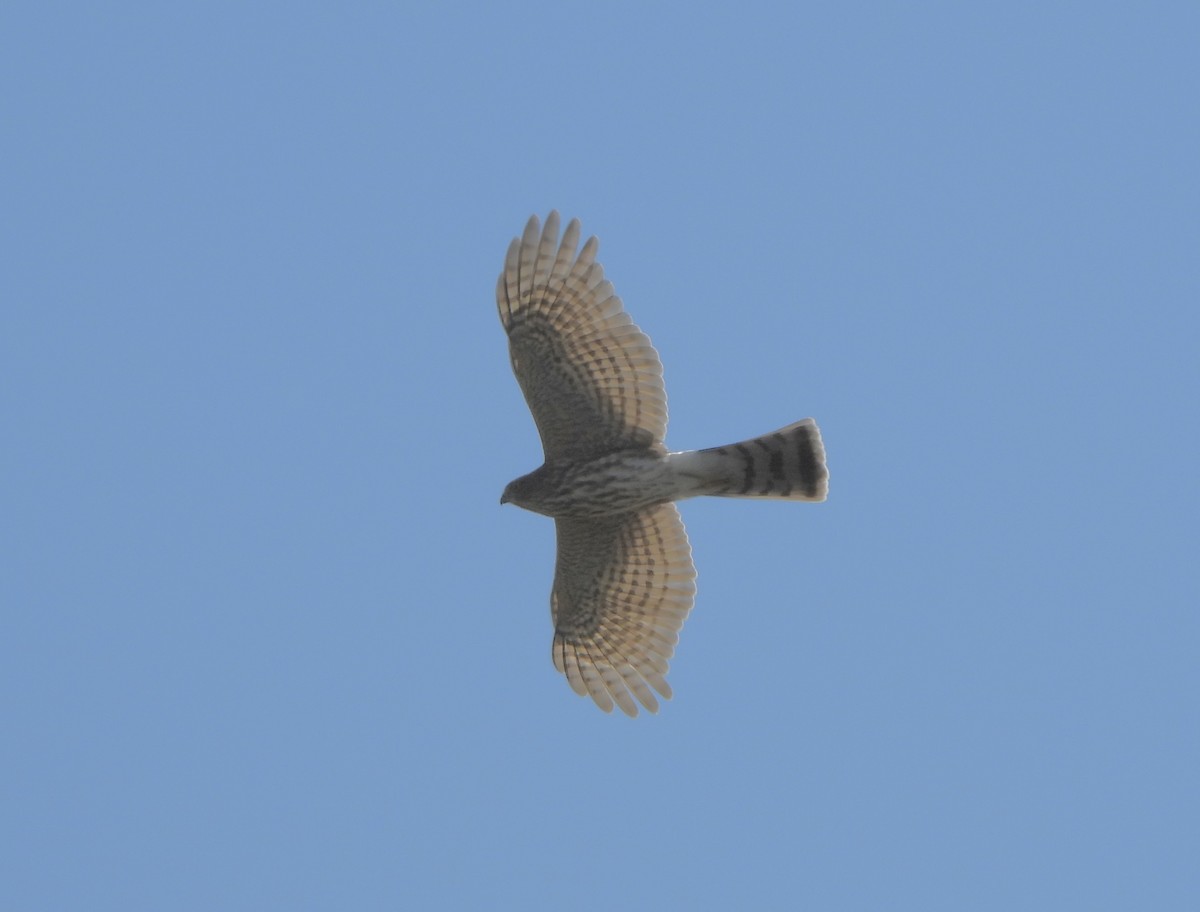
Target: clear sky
270, 642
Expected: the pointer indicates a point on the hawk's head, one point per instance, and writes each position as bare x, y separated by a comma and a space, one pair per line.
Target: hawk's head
527, 491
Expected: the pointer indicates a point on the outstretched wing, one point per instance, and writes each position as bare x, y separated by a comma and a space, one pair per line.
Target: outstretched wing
623, 586
592, 379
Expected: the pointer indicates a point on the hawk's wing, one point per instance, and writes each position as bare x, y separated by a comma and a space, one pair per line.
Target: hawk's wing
592, 379
623, 586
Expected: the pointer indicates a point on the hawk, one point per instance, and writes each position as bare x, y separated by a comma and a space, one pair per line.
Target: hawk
624, 581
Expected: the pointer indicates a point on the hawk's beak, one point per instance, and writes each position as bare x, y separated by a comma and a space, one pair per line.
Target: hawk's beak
504, 498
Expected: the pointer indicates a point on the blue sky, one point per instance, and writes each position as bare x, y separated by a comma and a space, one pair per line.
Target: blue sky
270, 642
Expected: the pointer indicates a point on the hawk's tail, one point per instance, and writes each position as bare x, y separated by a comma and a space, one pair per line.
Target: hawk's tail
787, 464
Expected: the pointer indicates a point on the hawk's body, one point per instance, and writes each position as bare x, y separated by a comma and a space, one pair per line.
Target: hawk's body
624, 580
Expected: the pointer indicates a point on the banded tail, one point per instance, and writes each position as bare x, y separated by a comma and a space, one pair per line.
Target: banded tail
786, 464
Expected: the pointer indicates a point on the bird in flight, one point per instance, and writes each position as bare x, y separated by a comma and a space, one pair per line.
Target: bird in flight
624, 580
